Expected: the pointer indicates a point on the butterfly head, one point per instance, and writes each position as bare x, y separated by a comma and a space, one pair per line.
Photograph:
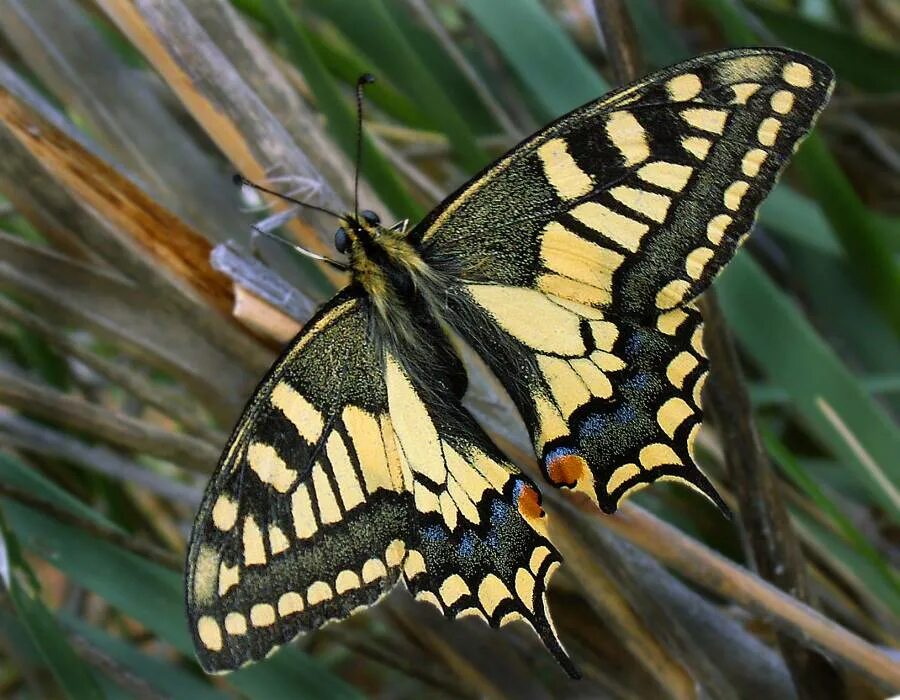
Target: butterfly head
356, 229
382, 260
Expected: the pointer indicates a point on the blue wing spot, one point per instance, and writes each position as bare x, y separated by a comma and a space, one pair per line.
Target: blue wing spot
556, 453
499, 511
638, 382
633, 345
434, 533
598, 423
595, 424
467, 544
517, 489
624, 414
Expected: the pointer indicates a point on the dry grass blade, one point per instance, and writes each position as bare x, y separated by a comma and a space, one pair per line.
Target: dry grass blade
260, 317
768, 535
402, 660
427, 16
249, 273
33, 438
68, 291
749, 669
405, 166
37, 196
621, 40
715, 573
116, 537
259, 69
115, 428
221, 102
603, 592
72, 58
182, 276
129, 682
469, 650
164, 400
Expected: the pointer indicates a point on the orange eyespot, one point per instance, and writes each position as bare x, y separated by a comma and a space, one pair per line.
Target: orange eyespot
529, 503
566, 470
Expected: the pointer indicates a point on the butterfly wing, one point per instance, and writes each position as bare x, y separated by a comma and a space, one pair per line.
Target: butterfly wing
345, 475
612, 405
483, 548
306, 517
585, 247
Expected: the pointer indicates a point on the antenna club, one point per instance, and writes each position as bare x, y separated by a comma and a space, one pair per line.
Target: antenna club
238, 180
365, 79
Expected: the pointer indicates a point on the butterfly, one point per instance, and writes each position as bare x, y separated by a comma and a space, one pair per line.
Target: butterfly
572, 266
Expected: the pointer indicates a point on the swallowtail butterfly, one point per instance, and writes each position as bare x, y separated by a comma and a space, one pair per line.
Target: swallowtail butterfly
572, 265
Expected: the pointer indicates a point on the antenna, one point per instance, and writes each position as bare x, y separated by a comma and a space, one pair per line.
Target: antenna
239, 180
362, 81
301, 249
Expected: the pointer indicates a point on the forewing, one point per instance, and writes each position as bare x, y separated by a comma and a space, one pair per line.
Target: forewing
305, 517
634, 202
582, 251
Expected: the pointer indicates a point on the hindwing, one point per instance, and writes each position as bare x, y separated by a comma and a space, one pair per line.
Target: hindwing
612, 404
581, 252
483, 548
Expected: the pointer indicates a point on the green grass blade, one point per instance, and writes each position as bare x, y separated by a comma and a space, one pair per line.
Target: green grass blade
872, 68
799, 219
855, 570
392, 50
444, 69
659, 44
339, 112
731, 20
827, 396
74, 677
888, 582
540, 53
346, 62
767, 395
841, 311
167, 678
860, 234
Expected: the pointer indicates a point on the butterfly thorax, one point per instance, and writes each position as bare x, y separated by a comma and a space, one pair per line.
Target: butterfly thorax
383, 263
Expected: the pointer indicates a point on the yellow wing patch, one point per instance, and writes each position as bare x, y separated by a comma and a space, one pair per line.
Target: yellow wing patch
562, 171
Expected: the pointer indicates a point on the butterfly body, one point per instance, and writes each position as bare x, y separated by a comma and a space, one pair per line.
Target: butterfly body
572, 267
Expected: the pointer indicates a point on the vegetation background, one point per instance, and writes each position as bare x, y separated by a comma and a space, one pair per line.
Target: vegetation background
134, 321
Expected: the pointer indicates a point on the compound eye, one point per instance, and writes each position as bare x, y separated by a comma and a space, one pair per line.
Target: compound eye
341, 241
370, 217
